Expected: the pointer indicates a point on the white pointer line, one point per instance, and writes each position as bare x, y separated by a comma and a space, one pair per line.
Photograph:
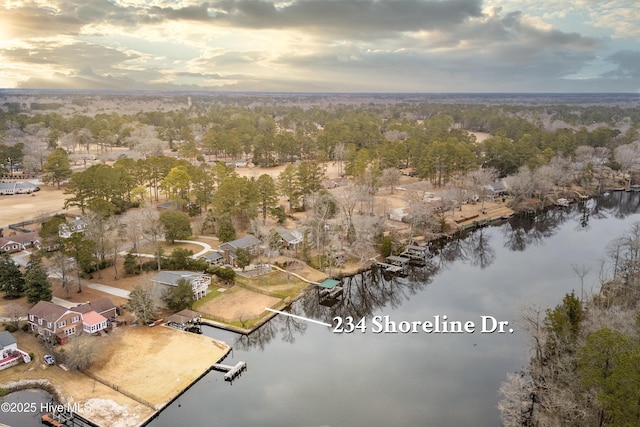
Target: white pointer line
297, 317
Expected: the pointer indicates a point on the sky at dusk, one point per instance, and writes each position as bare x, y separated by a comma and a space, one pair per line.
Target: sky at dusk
322, 45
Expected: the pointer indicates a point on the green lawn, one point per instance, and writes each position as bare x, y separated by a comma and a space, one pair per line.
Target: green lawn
213, 293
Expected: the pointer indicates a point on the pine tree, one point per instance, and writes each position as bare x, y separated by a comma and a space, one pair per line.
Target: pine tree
37, 287
11, 279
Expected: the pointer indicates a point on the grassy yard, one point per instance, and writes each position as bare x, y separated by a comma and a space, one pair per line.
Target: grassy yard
279, 283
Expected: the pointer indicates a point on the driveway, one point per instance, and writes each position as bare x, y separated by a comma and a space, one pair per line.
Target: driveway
206, 247
110, 290
63, 302
21, 258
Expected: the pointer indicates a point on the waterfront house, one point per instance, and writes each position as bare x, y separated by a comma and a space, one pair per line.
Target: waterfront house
8, 344
102, 306
184, 319
20, 242
214, 258
93, 322
10, 354
165, 280
249, 242
497, 188
53, 322
292, 239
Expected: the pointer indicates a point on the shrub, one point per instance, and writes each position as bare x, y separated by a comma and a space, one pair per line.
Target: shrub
386, 247
10, 328
25, 327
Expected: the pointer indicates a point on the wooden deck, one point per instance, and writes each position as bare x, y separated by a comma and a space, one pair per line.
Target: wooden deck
486, 217
231, 372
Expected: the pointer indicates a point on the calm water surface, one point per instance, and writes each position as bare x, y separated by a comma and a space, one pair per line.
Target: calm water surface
302, 374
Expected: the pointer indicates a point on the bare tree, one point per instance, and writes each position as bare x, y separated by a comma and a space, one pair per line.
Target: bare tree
516, 404
477, 182
338, 155
152, 229
81, 352
390, 177
117, 235
581, 270
63, 269
96, 231
347, 200
15, 312
521, 185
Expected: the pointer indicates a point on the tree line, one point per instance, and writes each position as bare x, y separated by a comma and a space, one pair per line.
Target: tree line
431, 138
585, 368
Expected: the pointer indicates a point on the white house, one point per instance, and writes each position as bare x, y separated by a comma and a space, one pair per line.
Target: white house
164, 280
67, 229
93, 322
8, 344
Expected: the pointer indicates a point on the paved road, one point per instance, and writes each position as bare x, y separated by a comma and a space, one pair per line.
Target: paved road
110, 290
63, 302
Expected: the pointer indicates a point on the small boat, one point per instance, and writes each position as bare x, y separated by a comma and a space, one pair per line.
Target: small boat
562, 202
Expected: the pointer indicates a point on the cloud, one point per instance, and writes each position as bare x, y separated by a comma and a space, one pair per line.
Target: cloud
307, 45
628, 65
356, 18
36, 19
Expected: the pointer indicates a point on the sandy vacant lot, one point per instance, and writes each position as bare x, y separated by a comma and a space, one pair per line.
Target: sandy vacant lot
108, 407
155, 363
22, 207
238, 304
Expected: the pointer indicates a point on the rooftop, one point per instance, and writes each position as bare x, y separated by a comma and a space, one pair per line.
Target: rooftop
6, 339
92, 318
172, 277
243, 242
47, 310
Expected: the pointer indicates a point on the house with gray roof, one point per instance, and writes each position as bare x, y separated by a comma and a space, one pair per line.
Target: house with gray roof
25, 187
214, 258
8, 344
165, 280
250, 243
67, 229
292, 239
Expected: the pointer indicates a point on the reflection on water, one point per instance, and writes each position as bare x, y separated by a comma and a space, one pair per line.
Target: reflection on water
301, 373
33, 399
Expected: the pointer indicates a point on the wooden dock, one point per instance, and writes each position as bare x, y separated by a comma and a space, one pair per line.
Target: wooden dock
398, 264
231, 372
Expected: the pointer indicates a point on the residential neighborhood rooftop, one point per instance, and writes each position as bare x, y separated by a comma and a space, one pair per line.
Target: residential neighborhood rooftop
6, 339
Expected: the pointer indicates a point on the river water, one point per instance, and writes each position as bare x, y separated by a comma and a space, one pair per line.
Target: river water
303, 374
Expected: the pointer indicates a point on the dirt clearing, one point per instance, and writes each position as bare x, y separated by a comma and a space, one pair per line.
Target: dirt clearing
237, 304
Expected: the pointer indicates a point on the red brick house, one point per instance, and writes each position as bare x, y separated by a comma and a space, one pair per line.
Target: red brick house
56, 323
